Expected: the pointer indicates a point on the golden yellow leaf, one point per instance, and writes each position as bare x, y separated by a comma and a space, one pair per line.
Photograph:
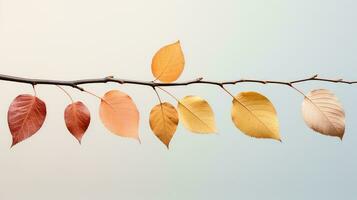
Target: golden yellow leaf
255, 115
323, 113
168, 63
163, 122
119, 114
196, 115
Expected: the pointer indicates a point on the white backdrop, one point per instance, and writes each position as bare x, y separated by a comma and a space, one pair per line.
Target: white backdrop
222, 40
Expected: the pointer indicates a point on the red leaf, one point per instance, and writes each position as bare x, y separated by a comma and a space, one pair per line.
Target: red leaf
77, 118
25, 117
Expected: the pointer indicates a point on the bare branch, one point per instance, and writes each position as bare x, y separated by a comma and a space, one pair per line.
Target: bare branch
75, 83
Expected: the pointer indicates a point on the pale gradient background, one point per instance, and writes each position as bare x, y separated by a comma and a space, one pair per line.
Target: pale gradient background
222, 40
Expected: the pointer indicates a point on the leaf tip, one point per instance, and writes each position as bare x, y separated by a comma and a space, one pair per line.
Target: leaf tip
14, 142
341, 137
167, 146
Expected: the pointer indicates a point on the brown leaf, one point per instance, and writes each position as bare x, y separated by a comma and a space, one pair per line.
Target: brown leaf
25, 117
163, 122
119, 114
77, 118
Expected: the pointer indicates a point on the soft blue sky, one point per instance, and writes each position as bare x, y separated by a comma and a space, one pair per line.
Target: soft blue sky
222, 40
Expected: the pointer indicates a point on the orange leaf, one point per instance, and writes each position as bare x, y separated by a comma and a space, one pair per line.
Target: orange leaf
119, 114
77, 118
25, 117
168, 63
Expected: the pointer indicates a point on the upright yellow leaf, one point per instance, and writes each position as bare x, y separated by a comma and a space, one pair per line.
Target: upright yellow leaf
119, 114
323, 113
255, 115
196, 115
163, 122
168, 63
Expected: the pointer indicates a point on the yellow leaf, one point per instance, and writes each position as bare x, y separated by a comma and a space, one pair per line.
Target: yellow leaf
196, 115
119, 114
163, 122
168, 63
323, 113
255, 115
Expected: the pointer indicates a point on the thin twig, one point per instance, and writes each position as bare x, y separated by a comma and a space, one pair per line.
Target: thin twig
75, 83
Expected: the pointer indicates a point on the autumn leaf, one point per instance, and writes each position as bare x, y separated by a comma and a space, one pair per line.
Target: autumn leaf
25, 117
323, 113
119, 114
164, 121
168, 63
77, 118
255, 115
196, 115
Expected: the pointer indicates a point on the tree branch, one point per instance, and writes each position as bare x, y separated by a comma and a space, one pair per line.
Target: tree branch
76, 83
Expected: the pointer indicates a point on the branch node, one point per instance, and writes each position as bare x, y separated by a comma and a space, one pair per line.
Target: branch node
77, 87
315, 76
120, 81
108, 78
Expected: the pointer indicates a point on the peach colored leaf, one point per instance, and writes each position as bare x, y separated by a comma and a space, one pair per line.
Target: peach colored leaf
323, 113
168, 63
163, 122
77, 118
196, 115
25, 117
119, 114
255, 115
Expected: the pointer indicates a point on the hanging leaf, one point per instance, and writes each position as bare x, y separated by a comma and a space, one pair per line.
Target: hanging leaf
323, 113
25, 117
119, 114
77, 118
196, 115
255, 115
168, 63
163, 122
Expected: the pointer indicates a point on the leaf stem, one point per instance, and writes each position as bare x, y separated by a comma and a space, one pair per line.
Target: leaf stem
228, 92
298, 91
34, 90
70, 97
157, 94
169, 94
100, 98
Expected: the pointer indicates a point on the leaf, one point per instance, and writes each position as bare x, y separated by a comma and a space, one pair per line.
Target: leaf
77, 118
164, 121
255, 115
25, 117
168, 63
196, 115
119, 114
323, 113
